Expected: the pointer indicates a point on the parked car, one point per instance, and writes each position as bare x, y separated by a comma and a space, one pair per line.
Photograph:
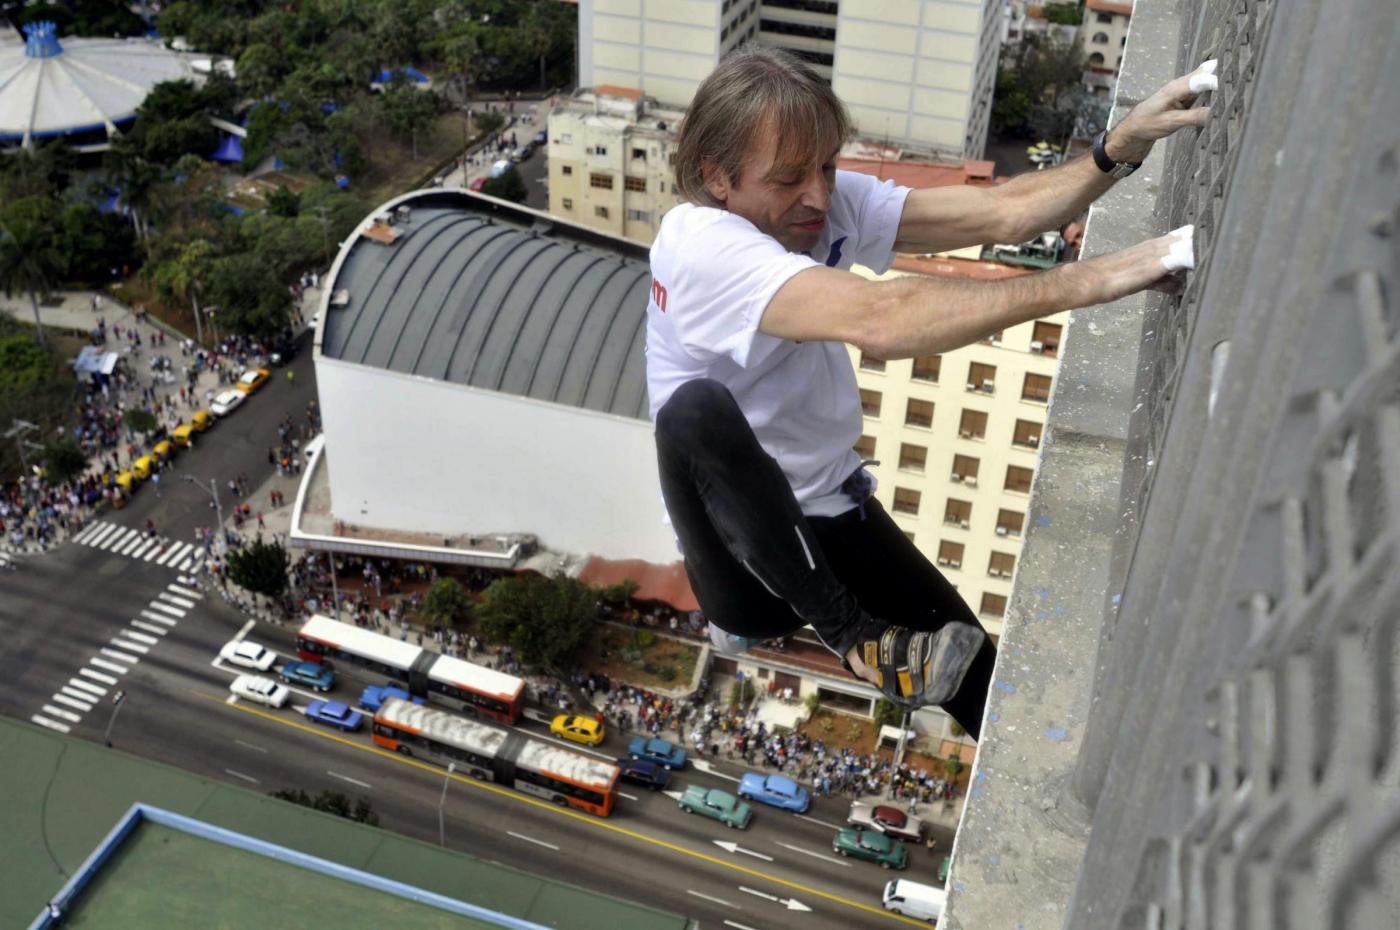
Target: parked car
201, 420
944, 868
542, 137
717, 805
775, 790
586, 730
247, 654
913, 899
523, 153
644, 773
476, 184
164, 450
284, 349
867, 844
374, 696
252, 379
141, 468
311, 674
663, 752
886, 819
183, 435
260, 690
225, 402
334, 714
500, 167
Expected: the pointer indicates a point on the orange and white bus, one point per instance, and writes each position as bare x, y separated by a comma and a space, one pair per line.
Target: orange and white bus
491, 753
457, 683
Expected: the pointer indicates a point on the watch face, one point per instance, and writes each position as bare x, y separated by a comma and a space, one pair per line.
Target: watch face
1123, 169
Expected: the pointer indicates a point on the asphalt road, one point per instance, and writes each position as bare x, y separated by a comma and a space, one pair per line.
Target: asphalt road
80, 623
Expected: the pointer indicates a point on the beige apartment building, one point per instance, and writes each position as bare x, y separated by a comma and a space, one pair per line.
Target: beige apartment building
610, 153
1103, 34
957, 437
917, 72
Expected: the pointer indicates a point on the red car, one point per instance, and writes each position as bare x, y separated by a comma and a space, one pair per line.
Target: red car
890, 821
477, 184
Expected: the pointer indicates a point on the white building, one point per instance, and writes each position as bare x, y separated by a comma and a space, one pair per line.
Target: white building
1103, 34
918, 72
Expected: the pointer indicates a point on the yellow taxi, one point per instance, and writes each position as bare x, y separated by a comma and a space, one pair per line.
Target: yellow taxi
201, 420
252, 379
586, 730
164, 450
183, 435
143, 467
125, 480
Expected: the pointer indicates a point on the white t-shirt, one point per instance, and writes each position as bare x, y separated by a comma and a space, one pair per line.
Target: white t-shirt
713, 274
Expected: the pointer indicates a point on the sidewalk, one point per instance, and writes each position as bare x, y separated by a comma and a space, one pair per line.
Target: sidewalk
526, 126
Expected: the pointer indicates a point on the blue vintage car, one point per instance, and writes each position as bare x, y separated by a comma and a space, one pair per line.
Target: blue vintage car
662, 752
375, 695
334, 714
644, 773
311, 674
777, 790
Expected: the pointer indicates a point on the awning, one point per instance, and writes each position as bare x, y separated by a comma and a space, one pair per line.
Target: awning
667, 584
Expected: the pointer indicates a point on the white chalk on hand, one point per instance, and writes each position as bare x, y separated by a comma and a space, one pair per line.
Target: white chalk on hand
1182, 252
1203, 78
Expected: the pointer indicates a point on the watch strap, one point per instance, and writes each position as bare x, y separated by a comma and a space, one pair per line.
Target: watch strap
1118, 169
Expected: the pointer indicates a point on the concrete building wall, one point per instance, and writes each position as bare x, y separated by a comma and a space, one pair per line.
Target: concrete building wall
484, 462
1104, 33
665, 47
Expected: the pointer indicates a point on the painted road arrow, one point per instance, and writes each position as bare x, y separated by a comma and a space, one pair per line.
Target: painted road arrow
791, 904
702, 766
735, 847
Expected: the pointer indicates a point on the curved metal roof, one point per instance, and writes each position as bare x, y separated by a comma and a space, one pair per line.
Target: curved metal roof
48, 89
479, 292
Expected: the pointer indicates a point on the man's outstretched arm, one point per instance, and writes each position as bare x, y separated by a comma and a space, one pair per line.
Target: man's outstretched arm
942, 218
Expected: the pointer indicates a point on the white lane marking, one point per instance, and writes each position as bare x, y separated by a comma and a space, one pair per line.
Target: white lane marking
139, 637
244, 631
97, 676
187, 592
184, 580
231, 700
51, 724
109, 666
120, 656
816, 855
791, 904
173, 553
178, 601
242, 776
158, 618
93, 533
88, 687
64, 699
737, 926
531, 839
134, 543
163, 547
186, 565
712, 898
630, 797
122, 536
158, 630
78, 695
55, 712
735, 847
173, 611
834, 826
151, 546
353, 781
703, 766
134, 647
250, 746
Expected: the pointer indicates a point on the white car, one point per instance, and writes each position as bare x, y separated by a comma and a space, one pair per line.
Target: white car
225, 402
247, 654
261, 690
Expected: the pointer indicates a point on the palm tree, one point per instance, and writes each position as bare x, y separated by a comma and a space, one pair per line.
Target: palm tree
183, 276
29, 262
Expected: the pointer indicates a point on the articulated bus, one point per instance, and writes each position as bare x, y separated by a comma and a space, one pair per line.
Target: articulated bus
490, 753
456, 683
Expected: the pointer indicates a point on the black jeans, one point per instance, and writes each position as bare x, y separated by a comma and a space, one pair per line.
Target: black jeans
760, 568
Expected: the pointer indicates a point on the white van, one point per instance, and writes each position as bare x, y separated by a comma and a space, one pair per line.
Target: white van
914, 900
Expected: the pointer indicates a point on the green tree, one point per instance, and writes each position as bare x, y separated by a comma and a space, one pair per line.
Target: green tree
261, 567
63, 459
546, 620
250, 300
619, 594
23, 364
953, 765
490, 121
29, 263
888, 714
446, 604
140, 419
260, 69
282, 202
408, 110
183, 276
1041, 71
332, 802
509, 186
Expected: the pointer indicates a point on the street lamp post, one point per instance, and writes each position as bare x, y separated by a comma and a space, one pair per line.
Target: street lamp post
218, 509
111, 722
442, 823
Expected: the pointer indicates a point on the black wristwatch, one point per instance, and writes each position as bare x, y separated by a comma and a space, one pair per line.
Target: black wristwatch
1115, 169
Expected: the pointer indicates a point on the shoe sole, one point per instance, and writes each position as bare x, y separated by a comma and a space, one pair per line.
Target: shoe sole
951, 652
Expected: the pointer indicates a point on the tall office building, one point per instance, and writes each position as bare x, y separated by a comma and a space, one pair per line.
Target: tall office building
917, 72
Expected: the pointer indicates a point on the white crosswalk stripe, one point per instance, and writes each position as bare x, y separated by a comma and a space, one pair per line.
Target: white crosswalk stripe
61, 714
187, 592
139, 637
158, 618
158, 630
120, 656
77, 695
144, 545
125, 644
66, 701
183, 579
121, 536
109, 666
88, 686
174, 553
162, 547
96, 533
173, 599
136, 542
51, 724
5, 558
87, 532
97, 676
167, 608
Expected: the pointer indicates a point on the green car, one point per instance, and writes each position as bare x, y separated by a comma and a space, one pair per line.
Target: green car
868, 844
721, 805
943, 869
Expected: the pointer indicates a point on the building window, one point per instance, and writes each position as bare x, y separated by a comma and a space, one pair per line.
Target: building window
993, 605
564, 138
639, 216
600, 150
950, 553
865, 447
926, 368
567, 169
1027, 433
919, 413
906, 501
640, 153
965, 469
1002, 565
1100, 38
1009, 522
870, 402
958, 513
870, 363
1104, 18
1096, 59
568, 203
603, 181
912, 457
1037, 388
981, 377
973, 425
1018, 479
639, 185
601, 212
1045, 339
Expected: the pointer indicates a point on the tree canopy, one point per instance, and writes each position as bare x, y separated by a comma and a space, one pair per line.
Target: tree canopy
546, 620
261, 567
